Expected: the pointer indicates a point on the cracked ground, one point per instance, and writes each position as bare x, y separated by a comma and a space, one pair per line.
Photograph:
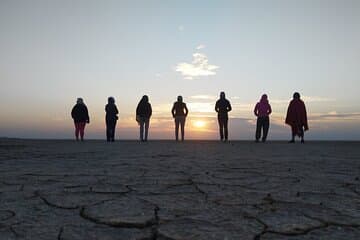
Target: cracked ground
164, 190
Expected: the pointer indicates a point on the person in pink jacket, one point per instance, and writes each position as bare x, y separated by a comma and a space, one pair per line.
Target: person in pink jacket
262, 110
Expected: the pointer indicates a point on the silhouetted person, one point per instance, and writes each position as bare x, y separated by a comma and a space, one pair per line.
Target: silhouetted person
80, 115
222, 107
297, 118
143, 114
262, 111
179, 113
111, 119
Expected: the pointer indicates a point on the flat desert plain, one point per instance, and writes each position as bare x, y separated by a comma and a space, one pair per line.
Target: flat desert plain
163, 190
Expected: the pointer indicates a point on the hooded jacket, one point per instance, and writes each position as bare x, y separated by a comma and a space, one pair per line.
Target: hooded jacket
262, 108
80, 113
144, 109
111, 112
222, 107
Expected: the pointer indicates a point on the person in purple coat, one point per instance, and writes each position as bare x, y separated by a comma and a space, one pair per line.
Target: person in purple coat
262, 110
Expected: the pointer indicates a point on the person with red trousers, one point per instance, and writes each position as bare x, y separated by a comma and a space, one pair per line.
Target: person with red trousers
296, 117
80, 115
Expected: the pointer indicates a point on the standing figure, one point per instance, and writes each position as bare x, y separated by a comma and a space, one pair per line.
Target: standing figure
111, 119
297, 118
80, 115
222, 107
179, 113
262, 111
143, 114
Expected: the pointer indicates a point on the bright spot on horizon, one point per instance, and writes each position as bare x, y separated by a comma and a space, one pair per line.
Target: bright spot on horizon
199, 124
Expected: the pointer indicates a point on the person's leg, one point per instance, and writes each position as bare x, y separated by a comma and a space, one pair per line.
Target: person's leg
182, 128
82, 130
258, 129
265, 125
293, 133
226, 128
147, 123
77, 130
142, 130
301, 133
107, 131
177, 122
113, 131
221, 126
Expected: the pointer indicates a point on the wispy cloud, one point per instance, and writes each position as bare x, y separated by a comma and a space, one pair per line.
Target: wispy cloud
181, 28
199, 67
201, 46
307, 99
203, 97
317, 99
335, 116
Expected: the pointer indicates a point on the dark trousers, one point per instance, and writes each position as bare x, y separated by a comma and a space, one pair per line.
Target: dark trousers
110, 130
179, 122
223, 127
262, 123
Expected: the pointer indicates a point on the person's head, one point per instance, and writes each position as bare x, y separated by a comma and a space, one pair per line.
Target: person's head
79, 101
264, 97
111, 100
296, 95
145, 99
222, 95
180, 98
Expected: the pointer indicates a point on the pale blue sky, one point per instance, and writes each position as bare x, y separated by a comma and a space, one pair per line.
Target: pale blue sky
54, 51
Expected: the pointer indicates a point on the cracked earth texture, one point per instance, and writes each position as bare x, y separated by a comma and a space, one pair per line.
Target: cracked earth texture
163, 190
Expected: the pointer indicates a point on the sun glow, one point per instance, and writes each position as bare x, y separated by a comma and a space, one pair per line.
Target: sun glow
199, 124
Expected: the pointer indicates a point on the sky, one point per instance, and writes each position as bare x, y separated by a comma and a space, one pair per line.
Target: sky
53, 51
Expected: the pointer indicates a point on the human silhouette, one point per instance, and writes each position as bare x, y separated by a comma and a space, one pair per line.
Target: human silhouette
111, 119
179, 112
222, 107
296, 117
143, 114
80, 115
262, 110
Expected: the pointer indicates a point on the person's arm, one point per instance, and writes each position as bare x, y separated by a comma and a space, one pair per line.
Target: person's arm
150, 110
87, 115
186, 110
173, 110
256, 109
137, 113
306, 120
73, 112
116, 110
270, 110
229, 107
288, 115
217, 107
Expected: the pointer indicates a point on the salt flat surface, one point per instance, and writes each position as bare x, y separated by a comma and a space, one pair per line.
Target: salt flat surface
177, 191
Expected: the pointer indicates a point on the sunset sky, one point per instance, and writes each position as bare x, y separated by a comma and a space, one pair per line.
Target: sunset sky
53, 51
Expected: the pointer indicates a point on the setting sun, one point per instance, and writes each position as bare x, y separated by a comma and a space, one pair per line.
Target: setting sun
199, 123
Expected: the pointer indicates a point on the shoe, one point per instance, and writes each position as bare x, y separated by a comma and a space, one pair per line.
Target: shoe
291, 141
302, 141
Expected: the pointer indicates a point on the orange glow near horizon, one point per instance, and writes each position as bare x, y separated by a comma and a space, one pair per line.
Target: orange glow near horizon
199, 124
